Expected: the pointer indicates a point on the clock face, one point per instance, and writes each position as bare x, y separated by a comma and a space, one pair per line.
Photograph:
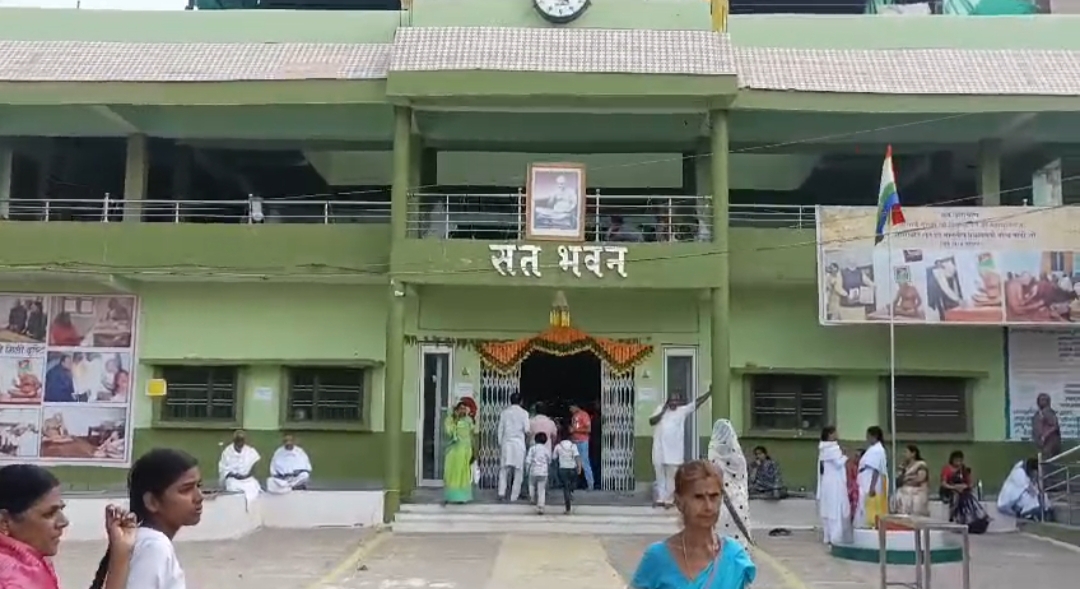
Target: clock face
560, 11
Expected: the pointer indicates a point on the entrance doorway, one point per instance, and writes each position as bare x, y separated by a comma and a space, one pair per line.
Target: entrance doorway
561, 381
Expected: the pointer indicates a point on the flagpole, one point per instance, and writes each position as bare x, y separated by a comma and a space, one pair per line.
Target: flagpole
892, 358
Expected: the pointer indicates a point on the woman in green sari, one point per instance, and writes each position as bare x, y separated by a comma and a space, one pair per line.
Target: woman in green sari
457, 467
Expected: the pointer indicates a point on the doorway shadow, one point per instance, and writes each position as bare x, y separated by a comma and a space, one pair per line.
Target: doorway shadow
561, 381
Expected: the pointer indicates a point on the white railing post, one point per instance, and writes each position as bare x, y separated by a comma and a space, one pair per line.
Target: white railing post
670, 225
176, 211
597, 230
105, 210
48, 206
520, 212
326, 213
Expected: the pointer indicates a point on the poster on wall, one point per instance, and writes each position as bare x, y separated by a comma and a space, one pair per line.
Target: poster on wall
1044, 361
950, 266
67, 365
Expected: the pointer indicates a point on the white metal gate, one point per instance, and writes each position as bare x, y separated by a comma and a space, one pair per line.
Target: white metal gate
495, 391
616, 430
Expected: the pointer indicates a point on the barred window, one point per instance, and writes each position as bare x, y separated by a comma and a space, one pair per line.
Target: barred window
930, 404
326, 394
788, 401
200, 393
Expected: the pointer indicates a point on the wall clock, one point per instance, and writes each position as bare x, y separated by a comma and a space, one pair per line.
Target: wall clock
561, 12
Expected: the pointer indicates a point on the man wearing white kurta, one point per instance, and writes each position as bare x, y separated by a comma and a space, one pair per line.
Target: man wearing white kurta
513, 430
234, 469
290, 468
669, 443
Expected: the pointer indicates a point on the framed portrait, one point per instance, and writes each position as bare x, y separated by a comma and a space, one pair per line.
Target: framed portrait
555, 202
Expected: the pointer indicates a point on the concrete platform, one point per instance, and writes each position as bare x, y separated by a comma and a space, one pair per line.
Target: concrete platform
357, 559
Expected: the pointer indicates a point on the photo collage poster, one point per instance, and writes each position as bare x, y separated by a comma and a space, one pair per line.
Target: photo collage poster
950, 266
67, 374
1044, 361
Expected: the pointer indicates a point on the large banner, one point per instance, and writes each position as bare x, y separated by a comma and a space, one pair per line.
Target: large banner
951, 265
67, 366
1044, 361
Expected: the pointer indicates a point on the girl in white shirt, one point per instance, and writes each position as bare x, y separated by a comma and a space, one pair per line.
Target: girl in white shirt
569, 465
165, 494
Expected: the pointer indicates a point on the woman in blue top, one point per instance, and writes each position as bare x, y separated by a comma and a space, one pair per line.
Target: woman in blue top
695, 558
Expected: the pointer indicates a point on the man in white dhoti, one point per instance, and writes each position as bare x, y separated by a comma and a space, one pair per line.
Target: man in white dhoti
290, 468
669, 444
832, 493
513, 431
235, 467
873, 479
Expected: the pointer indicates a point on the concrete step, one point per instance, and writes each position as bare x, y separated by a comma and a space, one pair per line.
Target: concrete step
553, 522
522, 508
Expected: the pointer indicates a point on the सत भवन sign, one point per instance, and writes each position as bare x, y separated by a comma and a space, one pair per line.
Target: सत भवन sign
510, 259
950, 265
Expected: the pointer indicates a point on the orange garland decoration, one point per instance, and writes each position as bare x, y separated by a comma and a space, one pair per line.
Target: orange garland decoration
507, 356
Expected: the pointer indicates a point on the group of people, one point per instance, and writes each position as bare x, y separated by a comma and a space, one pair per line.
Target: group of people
164, 494
26, 318
290, 467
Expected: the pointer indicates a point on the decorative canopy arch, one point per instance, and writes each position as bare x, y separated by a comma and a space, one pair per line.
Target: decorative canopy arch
561, 339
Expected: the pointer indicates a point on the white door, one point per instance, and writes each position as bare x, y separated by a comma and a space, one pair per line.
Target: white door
436, 368
680, 382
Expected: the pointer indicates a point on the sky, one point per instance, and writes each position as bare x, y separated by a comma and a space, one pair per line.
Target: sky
99, 4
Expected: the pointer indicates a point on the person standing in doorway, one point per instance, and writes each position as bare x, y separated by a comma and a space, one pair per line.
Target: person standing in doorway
540, 423
580, 430
513, 431
669, 439
1045, 428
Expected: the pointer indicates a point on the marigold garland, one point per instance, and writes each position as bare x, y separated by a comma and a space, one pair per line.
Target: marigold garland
507, 356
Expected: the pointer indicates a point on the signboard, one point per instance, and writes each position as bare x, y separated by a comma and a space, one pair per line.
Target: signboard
511, 259
67, 367
1044, 361
951, 265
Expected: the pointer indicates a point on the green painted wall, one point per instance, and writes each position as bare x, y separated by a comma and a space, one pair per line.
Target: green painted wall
265, 327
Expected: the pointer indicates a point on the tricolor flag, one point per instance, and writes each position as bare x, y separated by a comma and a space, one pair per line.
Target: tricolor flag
889, 213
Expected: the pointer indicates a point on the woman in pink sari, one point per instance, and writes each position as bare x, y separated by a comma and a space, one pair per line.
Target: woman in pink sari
32, 521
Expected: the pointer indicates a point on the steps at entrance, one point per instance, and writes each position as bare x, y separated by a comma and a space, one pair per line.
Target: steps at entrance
425, 518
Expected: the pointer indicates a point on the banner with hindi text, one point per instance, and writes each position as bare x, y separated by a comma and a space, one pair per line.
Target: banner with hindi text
950, 265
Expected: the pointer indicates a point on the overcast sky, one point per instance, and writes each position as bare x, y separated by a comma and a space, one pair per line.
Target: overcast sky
100, 4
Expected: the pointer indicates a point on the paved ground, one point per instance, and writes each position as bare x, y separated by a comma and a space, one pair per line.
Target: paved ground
352, 559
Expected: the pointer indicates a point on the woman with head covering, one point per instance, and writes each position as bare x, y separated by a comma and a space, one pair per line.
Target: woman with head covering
726, 453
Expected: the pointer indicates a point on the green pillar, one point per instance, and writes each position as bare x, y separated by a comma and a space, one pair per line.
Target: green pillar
989, 172
392, 394
7, 161
403, 171
720, 295
136, 173
394, 384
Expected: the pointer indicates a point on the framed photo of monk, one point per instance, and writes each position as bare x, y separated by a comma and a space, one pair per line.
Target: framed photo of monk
555, 202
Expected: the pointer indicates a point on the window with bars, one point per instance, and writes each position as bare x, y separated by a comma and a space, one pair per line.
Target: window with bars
200, 393
788, 401
326, 395
930, 404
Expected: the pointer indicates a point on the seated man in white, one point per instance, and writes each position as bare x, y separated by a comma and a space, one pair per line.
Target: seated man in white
290, 468
236, 465
1019, 496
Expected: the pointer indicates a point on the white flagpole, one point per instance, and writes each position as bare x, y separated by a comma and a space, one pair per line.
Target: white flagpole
892, 354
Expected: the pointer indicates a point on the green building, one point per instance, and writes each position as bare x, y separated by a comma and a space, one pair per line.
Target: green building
314, 210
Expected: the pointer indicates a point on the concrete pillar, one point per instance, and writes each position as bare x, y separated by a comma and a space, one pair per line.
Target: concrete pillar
136, 173
402, 171
393, 391
7, 168
394, 383
720, 296
413, 217
989, 172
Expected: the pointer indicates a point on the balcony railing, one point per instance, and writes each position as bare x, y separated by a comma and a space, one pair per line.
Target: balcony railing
441, 216
203, 211
608, 217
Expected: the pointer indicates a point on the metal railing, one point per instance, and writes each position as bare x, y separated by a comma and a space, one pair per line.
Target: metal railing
607, 217
1059, 479
253, 210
